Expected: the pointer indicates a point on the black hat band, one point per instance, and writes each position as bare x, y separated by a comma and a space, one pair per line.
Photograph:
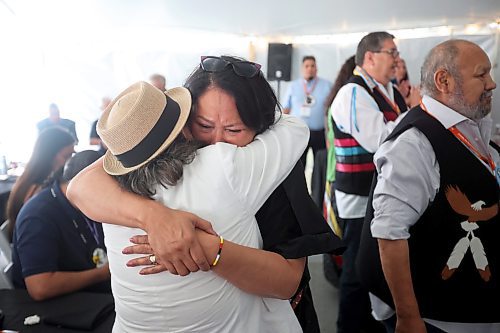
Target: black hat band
155, 138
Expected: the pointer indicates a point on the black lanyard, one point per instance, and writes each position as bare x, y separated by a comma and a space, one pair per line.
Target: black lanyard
90, 224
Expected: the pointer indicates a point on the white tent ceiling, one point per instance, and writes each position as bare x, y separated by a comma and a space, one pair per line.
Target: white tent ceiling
270, 18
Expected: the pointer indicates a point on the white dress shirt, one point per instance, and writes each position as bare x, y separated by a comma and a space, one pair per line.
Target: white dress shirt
408, 181
225, 185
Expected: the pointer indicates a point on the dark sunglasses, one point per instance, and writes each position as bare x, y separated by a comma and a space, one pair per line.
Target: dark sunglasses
242, 68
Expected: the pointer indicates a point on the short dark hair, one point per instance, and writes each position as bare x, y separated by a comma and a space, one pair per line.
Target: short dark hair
371, 43
166, 169
255, 99
78, 162
308, 57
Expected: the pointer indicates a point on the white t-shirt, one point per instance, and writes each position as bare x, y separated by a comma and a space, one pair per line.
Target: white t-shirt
225, 185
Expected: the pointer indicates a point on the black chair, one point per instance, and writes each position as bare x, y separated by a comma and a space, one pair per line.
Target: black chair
5, 258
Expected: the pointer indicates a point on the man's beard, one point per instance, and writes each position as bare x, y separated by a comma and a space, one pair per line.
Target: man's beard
475, 111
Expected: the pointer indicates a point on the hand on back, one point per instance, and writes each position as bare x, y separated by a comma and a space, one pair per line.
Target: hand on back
172, 238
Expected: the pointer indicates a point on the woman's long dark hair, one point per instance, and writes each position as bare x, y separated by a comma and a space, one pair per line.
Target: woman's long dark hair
344, 74
38, 169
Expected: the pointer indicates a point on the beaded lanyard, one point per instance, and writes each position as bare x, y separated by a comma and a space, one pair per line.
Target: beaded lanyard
461, 137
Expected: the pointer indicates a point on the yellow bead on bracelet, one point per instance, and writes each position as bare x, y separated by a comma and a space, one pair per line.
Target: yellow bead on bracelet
216, 260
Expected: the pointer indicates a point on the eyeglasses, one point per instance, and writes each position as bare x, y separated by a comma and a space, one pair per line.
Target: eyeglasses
392, 52
242, 68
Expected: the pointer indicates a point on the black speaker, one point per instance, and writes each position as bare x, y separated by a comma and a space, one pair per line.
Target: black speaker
279, 62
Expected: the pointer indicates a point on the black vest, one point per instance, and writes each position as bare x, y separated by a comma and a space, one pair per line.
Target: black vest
465, 296
293, 226
354, 166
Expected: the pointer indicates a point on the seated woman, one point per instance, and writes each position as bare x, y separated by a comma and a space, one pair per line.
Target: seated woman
57, 250
53, 147
289, 222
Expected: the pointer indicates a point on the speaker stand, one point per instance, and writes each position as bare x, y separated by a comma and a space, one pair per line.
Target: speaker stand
278, 90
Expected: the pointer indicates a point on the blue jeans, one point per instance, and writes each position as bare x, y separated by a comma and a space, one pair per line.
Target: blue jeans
354, 305
390, 326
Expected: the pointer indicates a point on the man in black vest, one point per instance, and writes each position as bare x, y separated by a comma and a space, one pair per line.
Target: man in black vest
363, 112
435, 203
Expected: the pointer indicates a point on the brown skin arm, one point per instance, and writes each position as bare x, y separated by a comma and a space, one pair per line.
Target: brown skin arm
254, 271
394, 255
286, 111
47, 285
172, 232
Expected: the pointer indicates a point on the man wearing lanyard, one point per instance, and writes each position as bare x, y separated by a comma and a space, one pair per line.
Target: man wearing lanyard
363, 113
305, 99
436, 203
56, 249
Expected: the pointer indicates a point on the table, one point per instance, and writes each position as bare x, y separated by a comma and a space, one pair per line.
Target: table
6, 185
82, 306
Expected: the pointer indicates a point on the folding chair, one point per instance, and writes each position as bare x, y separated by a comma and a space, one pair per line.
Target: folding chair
4, 228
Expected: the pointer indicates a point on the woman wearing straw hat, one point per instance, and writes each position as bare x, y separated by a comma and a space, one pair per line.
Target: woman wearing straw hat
222, 86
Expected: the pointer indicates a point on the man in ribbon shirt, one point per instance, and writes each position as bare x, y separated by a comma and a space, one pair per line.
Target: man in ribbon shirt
306, 99
56, 249
363, 113
435, 203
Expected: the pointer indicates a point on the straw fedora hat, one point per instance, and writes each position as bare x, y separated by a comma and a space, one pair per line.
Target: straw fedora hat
141, 123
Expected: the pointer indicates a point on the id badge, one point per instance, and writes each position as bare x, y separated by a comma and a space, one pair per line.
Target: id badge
305, 111
99, 257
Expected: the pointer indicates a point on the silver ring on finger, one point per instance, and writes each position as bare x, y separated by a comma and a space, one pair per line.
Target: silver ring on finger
152, 258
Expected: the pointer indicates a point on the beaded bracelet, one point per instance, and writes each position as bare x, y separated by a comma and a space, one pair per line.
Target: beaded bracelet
216, 260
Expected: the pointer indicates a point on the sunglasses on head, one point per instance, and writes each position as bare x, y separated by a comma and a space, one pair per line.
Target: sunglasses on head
241, 68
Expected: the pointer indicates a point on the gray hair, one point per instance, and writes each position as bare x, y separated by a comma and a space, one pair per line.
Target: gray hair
442, 56
166, 169
371, 43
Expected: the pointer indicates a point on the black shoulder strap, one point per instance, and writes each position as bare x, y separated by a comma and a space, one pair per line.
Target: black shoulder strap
356, 79
399, 99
